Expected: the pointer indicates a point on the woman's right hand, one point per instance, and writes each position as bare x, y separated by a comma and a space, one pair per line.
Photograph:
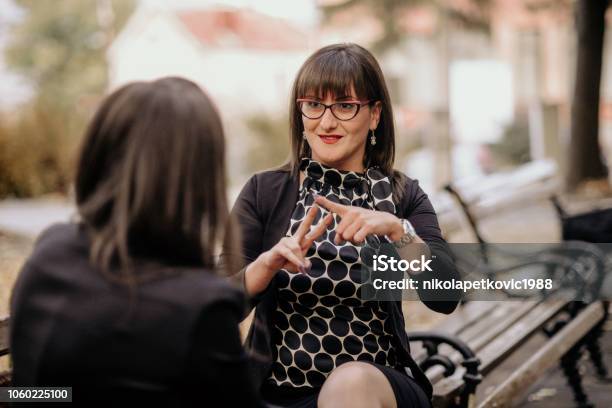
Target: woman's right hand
289, 253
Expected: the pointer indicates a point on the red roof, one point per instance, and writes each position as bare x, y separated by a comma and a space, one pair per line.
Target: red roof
243, 29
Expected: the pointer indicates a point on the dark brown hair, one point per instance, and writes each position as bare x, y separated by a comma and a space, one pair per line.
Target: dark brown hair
334, 69
150, 181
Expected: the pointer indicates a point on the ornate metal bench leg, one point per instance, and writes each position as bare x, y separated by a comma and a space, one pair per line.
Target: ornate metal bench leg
569, 364
472, 378
595, 354
592, 345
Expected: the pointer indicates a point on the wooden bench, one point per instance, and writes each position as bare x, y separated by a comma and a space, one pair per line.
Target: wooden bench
482, 335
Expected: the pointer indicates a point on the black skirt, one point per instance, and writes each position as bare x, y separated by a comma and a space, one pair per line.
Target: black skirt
408, 394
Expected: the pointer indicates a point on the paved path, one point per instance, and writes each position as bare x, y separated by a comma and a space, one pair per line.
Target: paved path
30, 217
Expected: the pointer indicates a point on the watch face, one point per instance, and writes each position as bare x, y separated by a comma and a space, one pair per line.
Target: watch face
409, 234
408, 228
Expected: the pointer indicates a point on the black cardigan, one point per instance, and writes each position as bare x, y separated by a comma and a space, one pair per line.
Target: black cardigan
263, 210
175, 343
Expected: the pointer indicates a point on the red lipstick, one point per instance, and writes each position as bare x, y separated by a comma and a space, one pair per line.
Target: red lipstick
330, 139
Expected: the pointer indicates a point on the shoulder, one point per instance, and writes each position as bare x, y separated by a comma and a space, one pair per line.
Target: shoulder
270, 177
57, 253
60, 241
406, 182
408, 185
264, 187
408, 192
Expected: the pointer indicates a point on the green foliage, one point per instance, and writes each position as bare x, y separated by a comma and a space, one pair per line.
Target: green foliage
270, 142
60, 49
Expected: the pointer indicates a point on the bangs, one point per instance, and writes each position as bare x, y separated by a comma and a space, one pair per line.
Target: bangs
333, 73
336, 71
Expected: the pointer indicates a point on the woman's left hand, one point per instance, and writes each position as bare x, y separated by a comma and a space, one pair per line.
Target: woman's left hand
358, 222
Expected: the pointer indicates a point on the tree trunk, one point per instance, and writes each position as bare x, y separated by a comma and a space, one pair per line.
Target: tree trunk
585, 155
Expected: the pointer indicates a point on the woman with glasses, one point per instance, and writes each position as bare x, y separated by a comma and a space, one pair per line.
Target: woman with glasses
307, 234
126, 306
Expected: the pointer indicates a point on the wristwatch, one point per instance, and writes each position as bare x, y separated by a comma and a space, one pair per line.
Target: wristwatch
408, 237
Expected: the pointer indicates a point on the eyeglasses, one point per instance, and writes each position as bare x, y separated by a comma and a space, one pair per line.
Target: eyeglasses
341, 110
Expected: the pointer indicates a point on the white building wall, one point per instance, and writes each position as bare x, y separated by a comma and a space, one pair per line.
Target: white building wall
241, 81
245, 82
153, 45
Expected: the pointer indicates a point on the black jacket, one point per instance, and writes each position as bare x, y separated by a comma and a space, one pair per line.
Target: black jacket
175, 343
263, 210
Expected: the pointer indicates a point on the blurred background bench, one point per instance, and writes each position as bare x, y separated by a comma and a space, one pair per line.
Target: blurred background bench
473, 200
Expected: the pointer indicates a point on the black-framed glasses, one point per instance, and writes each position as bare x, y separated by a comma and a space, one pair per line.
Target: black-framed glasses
346, 110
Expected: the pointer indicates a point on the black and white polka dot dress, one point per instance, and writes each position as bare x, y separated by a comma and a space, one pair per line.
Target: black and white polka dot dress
322, 320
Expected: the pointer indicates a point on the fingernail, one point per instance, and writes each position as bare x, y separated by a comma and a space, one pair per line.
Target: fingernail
308, 264
301, 269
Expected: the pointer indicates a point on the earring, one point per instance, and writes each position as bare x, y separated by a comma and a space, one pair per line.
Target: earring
373, 138
304, 135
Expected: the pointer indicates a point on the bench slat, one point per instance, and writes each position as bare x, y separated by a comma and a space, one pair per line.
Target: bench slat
516, 335
494, 352
546, 357
496, 323
466, 316
463, 318
488, 323
479, 335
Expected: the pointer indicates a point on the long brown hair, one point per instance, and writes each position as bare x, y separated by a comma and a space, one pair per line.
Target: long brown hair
334, 69
150, 181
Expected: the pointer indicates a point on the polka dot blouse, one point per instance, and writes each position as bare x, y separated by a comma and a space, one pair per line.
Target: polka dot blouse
321, 320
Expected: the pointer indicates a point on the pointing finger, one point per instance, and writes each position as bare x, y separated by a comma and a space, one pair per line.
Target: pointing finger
339, 209
306, 223
316, 232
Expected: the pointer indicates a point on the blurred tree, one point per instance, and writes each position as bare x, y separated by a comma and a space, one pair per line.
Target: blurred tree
60, 48
586, 161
